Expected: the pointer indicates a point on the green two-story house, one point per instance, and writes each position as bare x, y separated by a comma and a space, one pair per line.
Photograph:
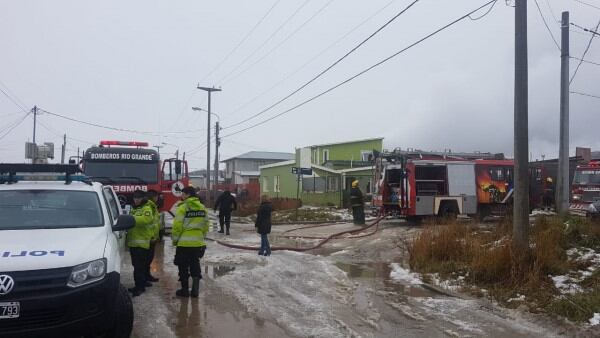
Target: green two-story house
334, 167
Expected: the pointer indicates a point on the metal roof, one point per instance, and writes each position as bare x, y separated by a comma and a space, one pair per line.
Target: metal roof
247, 173
263, 155
347, 142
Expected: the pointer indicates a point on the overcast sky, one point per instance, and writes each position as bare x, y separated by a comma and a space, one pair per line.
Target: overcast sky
135, 65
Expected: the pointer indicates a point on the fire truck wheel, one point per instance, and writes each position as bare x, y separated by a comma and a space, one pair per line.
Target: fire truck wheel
483, 212
448, 209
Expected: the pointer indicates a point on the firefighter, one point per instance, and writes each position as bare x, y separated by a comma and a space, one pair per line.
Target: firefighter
138, 240
548, 198
153, 203
226, 204
356, 201
189, 228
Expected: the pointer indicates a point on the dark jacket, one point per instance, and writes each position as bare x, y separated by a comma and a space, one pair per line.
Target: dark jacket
356, 197
225, 203
263, 218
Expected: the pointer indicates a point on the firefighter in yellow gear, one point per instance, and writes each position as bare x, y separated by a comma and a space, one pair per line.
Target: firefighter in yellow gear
189, 228
138, 240
357, 203
153, 202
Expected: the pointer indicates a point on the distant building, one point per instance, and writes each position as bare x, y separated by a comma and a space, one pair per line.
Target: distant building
244, 168
198, 178
334, 167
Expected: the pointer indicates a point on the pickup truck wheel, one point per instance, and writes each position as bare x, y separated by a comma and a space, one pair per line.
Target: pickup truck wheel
123, 323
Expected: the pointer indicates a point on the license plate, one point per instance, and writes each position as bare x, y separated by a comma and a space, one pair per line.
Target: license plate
10, 310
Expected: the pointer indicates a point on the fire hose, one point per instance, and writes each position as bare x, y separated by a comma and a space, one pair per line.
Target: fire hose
316, 246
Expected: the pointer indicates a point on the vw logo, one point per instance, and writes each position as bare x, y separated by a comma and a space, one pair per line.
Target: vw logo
6, 284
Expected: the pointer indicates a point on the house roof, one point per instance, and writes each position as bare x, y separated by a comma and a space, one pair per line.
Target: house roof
263, 155
277, 164
247, 173
347, 142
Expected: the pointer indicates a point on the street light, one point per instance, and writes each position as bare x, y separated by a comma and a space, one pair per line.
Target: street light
204, 110
209, 90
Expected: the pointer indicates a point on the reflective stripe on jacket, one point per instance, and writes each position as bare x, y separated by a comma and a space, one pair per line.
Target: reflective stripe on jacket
156, 214
190, 224
139, 236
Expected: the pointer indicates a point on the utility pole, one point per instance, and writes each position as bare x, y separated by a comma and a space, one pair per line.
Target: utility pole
158, 149
63, 149
521, 123
562, 179
209, 91
217, 144
34, 121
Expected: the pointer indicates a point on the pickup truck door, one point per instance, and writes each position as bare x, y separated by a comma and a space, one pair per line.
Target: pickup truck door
114, 210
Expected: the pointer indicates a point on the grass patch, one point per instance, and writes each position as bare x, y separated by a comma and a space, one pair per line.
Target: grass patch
487, 259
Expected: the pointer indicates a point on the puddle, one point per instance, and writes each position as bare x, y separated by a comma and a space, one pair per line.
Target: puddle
380, 273
216, 271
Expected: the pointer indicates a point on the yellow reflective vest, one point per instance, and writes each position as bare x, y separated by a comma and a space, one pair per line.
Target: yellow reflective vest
190, 224
139, 236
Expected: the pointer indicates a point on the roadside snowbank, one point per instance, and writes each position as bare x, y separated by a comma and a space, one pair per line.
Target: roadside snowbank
402, 275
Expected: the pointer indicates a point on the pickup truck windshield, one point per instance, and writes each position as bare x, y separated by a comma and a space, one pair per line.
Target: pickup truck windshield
49, 209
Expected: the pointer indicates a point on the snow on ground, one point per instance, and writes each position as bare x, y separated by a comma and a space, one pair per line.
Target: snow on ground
595, 320
569, 283
518, 298
400, 274
296, 290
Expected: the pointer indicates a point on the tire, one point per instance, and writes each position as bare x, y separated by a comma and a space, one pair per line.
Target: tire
123, 323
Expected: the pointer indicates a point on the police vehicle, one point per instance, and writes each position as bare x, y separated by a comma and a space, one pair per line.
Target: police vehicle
60, 257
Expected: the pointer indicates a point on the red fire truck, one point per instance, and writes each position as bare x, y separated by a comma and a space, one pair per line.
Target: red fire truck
128, 166
433, 184
585, 189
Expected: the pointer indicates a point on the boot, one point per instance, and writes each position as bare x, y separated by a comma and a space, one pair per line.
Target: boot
221, 231
195, 287
185, 288
227, 232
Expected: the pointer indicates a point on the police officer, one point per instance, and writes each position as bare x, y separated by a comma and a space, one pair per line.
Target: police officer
153, 203
226, 204
138, 240
356, 201
189, 228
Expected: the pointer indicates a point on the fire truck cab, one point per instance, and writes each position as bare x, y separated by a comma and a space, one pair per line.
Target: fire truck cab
585, 190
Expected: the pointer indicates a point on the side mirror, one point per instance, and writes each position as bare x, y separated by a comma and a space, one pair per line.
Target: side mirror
124, 222
178, 167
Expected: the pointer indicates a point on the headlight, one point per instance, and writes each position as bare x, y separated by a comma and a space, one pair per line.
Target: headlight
87, 273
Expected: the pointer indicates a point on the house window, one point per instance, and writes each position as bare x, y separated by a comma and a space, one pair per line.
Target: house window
265, 184
325, 155
315, 156
332, 183
276, 187
365, 155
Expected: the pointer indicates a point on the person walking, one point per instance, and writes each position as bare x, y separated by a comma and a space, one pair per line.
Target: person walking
356, 201
263, 225
153, 203
226, 203
138, 240
548, 197
189, 228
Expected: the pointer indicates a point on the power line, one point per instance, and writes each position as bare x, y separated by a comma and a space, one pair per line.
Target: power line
233, 112
319, 11
585, 61
363, 71
147, 133
13, 100
584, 53
587, 4
546, 24
14, 126
239, 44
328, 68
484, 14
552, 12
265, 42
585, 94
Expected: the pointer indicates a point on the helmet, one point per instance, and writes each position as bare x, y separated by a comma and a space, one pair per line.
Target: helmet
549, 179
354, 184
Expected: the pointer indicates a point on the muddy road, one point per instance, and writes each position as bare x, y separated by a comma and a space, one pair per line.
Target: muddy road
347, 288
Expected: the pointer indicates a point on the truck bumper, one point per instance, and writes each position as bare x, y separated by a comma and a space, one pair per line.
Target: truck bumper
65, 313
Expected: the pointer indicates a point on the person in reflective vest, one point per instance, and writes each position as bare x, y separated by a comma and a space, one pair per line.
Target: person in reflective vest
138, 240
153, 203
356, 201
189, 228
